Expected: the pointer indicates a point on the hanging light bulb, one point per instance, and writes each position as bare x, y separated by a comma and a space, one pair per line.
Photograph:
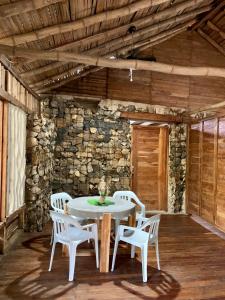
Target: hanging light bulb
131, 74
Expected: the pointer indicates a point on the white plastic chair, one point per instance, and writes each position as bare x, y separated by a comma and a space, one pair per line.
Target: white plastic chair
140, 237
129, 196
58, 201
69, 232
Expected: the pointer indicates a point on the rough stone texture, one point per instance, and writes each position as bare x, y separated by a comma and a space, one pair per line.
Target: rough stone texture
69, 148
90, 144
40, 162
177, 168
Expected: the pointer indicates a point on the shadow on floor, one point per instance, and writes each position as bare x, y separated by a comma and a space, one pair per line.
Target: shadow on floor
37, 283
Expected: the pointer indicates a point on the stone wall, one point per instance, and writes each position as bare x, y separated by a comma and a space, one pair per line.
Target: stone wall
90, 143
70, 147
177, 168
40, 163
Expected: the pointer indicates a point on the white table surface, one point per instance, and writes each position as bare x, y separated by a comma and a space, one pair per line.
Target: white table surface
81, 208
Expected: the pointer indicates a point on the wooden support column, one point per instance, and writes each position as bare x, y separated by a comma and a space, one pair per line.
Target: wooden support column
162, 174
105, 243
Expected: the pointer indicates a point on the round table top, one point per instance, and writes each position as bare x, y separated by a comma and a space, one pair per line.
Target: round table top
80, 207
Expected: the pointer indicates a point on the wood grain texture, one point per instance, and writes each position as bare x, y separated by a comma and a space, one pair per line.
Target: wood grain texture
192, 260
194, 192
148, 173
4, 160
105, 243
208, 170
160, 89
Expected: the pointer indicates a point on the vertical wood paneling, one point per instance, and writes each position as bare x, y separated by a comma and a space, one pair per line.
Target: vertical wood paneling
4, 160
1, 138
150, 175
194, 175
220, 193
208, 170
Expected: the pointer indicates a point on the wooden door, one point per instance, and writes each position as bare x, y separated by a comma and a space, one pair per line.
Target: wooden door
149, 160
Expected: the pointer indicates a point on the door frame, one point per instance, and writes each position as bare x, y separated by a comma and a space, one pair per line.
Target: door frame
163, 167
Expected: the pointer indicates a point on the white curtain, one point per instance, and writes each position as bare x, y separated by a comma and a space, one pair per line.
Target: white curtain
16, 162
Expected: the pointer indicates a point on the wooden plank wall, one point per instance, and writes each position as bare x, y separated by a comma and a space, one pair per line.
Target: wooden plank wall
157, 88
194, 168
206, 176
11, 90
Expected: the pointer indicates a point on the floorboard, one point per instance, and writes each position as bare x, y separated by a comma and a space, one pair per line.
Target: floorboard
192, 262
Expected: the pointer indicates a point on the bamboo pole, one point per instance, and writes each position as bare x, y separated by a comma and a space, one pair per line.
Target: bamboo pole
114, 63
15, 8
216, 28
210, 15
211, 41
62, 78
145, 32
123, 50
139, 23
80, 24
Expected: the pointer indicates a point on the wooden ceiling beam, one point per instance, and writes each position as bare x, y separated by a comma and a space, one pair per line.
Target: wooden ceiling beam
210, 15
23, 6
139, 24
114, 63
145, 116
214, 27
211, 41
111, 46
74, 77
209, 108
118, 51
79, 24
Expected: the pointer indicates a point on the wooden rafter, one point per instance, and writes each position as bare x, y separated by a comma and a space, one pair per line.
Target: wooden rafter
141, 46
210, 15
118, 52
142, 33
211, 41
15, 8
212, 107
79, 24
115, 63
139, 23
214, 27
117, 43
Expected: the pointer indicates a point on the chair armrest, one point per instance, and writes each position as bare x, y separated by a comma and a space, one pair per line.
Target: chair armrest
93, 225
122, 228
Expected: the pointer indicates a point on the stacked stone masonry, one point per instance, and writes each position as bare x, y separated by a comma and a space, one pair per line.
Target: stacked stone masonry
70, 147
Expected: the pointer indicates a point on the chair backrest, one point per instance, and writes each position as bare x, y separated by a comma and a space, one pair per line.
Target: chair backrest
129, 195
58, 201
62, 222
153, 226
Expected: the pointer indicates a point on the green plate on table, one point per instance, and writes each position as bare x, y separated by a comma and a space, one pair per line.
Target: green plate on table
97, 203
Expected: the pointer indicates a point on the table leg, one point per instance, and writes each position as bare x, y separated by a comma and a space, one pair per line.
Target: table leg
105, 243
132, 223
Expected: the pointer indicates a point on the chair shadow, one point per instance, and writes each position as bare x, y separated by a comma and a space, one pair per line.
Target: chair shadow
38, 283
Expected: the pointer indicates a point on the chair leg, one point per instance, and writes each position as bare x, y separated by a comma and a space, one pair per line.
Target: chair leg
96, 248
72, 258
52, 255
157, 254
114, 252
117, 223
52, 236
144, 256
132, 251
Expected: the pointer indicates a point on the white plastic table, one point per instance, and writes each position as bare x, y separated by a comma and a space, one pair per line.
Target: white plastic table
121, 208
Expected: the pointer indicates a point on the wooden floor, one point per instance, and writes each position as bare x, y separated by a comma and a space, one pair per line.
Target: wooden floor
192, 262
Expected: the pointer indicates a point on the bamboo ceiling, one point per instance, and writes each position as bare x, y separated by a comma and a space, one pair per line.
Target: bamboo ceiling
98, 39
